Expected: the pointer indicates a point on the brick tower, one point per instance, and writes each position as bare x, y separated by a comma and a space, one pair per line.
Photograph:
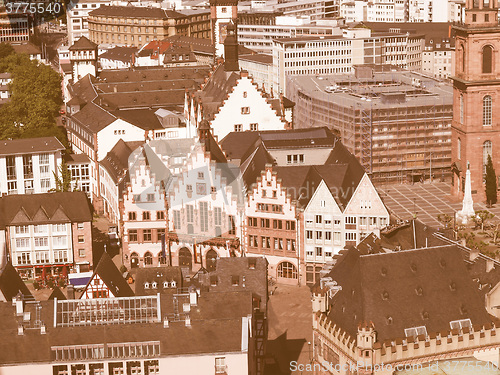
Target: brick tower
476, 94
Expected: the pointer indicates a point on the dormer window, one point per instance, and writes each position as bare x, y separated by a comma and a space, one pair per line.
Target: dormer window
154, 285
165, 285
415, 331
460, 324
146, 285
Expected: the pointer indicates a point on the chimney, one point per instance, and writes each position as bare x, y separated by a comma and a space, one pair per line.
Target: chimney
43, 331
19, 307
188, 321
20, 330
165, 323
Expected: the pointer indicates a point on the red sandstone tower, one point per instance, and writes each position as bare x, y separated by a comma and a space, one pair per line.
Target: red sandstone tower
476, 100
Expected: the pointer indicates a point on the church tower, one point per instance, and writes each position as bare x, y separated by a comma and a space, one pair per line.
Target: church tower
222, 13
475, 129
83, 58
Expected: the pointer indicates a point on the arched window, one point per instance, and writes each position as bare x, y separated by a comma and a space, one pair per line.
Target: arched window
461, 109
211, 260
287, 270
487, 150
487, 110
148, 259
161, 259
459, 149
134, 260
185, 258
487, 57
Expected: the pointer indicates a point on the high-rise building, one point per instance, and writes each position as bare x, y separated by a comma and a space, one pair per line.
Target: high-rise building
476, 90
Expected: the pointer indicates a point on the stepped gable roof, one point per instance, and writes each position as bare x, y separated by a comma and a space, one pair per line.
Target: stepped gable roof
11, 284
146, 276
30, 145
123, 54
116, 160
217, 89
293, 178
26, 209
430, 287
83, 44
57, 293
111, 276
94, 117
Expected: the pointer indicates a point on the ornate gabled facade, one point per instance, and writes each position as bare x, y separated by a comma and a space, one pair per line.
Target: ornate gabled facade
205, 208
232, 102
143, 209
271, 227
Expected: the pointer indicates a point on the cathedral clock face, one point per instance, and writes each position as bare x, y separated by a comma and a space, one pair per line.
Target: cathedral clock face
201, 189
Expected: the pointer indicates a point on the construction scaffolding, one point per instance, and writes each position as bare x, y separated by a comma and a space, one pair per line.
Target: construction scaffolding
398, 123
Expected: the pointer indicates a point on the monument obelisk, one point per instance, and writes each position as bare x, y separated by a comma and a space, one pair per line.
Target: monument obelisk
467, 210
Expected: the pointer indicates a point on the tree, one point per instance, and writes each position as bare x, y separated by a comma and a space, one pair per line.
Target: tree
481, 217
35, 100
491, 183
5, 50
63, 181
445, 219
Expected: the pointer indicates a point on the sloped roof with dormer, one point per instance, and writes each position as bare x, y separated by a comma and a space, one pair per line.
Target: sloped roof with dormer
57, 207
425, 287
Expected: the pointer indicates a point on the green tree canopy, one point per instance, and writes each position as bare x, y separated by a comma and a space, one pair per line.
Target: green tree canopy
491, 183
5, 50
35, 99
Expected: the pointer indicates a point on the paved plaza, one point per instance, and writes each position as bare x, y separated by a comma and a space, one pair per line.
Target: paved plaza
290, 329
426, 200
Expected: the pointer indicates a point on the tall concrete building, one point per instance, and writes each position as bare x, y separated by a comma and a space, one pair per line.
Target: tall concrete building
476, 89
396, 122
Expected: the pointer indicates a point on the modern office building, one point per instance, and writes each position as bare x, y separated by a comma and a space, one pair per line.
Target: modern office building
398, 123
338, 54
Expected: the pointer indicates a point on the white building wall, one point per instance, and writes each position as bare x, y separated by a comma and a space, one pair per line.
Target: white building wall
47, 178
366, 203
323, 205
119, 129
232, 115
